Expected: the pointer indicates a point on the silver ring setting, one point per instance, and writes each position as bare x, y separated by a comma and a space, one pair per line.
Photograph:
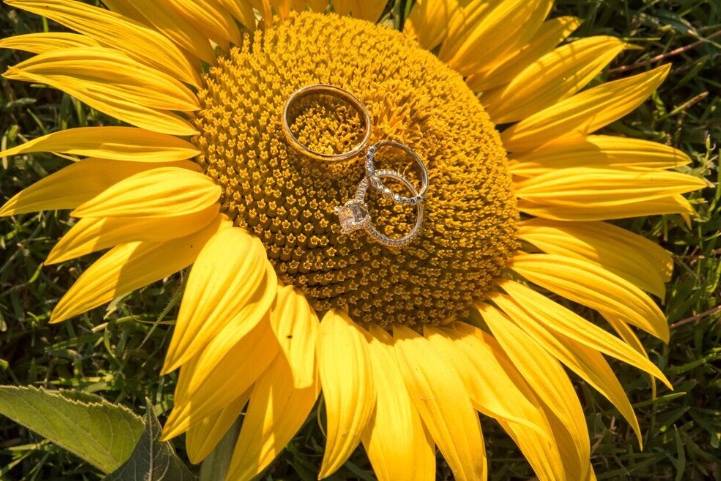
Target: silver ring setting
354, 215
378, 184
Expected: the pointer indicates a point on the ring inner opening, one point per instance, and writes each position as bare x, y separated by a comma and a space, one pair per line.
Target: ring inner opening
326, 124
394, 158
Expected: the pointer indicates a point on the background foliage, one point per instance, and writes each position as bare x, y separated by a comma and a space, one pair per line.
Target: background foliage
118, 353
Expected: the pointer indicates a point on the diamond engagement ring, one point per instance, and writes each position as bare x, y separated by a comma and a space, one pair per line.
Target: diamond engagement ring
354, 215
331, 91
375, 177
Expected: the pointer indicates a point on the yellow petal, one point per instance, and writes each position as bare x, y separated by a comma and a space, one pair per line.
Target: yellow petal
589, 188
46, 41
94, 234
131, 266
553, 77
241, 10
543, 456
586, 362
110, 101
113, 30
394, 438
462, 23
463, 20
128, 11
102, 74
228, 273
72, 185
366, 9
685, 209
527, 423
314, 5
282, 6
567, 447
537, 441
204, 366
627, 334
162, 15
585, 112
286, 6
549, 381
265, 8
255, 312
550, 34
212, 20
161, 192
115, 143
276, 412
593, 286
237, 338
483, 371
442, 401
533, 309
348, 387
428, 21
591, 475
675, 204
295, 324
475, 45
224, 381
203, 437
635, 258
599, 151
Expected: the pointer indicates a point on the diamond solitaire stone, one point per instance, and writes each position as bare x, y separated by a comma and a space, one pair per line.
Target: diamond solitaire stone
353, 216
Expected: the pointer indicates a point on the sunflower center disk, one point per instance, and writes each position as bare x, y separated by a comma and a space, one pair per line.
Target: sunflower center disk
290, 202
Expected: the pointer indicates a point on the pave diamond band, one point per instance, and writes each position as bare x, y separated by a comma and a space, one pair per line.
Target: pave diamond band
378, 184
354, 215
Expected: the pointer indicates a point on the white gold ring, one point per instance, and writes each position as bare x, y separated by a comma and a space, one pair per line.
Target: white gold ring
378, 184
354, 215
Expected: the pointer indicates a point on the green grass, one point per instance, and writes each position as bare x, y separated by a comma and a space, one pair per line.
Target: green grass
118, 353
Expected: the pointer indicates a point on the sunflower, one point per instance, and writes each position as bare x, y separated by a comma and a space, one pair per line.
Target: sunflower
406, 345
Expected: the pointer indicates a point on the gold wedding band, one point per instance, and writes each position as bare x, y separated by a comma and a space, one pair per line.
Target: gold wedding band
330, 90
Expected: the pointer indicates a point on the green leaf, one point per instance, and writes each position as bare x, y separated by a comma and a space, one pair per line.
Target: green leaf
152, 460
101, 433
